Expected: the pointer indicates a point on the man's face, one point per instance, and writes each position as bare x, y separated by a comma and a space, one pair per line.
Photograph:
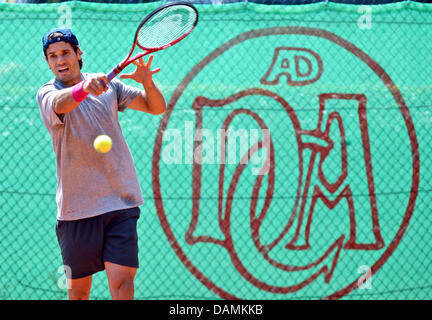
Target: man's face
63, 61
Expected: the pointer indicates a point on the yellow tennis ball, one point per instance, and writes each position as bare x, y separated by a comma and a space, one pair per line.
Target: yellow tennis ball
102, 143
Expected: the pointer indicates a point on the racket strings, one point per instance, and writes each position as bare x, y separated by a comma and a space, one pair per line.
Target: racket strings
166, 26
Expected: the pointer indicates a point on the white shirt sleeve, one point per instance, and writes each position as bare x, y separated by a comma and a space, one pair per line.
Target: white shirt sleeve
125, 94
45, 98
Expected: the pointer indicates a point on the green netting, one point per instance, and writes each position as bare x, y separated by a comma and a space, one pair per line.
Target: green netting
330, 100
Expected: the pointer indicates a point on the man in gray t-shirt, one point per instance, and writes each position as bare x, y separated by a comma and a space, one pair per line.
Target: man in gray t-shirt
98, 194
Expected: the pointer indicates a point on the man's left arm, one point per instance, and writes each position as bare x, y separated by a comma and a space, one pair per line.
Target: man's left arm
150, 99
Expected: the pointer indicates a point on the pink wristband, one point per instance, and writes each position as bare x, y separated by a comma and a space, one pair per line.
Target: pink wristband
78, 94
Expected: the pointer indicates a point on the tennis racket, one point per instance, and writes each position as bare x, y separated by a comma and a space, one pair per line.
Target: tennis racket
160, 29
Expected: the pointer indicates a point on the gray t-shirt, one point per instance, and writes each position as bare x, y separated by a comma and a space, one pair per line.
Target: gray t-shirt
91, 183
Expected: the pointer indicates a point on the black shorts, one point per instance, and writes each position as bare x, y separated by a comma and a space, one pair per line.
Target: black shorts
87, 243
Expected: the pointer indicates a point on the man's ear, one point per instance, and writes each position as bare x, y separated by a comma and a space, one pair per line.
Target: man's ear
45, 58
79, 53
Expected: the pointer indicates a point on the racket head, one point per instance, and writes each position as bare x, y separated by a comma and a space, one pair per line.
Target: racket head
166, 25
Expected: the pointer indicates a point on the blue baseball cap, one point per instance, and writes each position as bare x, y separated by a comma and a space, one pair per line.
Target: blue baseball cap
56, 35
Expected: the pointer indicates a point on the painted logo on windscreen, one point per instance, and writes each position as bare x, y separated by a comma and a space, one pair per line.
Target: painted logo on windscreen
284, 171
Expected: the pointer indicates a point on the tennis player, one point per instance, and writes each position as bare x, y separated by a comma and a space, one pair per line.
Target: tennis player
98, 195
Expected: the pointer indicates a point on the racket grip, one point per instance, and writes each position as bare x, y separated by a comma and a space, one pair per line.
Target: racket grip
113, 73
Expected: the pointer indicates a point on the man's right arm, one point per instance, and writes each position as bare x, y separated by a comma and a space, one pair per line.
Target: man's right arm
65, 100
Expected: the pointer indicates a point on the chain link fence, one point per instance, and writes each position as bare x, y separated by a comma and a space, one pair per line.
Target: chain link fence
293, 161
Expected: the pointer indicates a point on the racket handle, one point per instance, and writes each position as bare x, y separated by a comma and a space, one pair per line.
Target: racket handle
113, 73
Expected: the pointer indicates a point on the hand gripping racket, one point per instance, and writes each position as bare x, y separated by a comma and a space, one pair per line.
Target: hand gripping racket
162, 28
